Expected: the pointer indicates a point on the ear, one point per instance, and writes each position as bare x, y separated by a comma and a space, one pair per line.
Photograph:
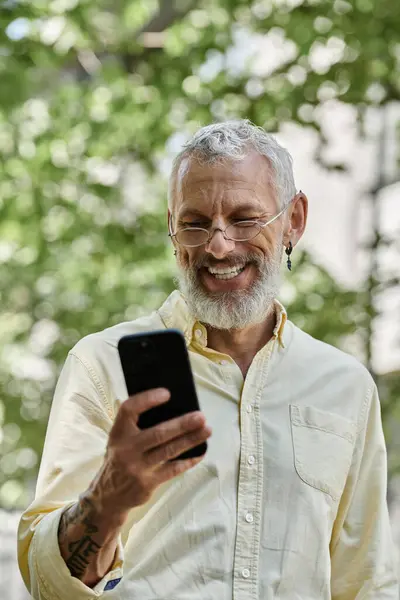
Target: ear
171, 229
171, 226
297, 219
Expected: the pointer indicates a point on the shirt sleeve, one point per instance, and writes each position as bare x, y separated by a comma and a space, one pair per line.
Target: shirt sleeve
76, 439
362, 549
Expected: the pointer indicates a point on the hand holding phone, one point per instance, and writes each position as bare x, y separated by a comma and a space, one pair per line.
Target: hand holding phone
138, 460
159, 359
158, 432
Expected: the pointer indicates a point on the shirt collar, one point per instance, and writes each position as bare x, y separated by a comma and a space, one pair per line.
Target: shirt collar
281, 318
175, 314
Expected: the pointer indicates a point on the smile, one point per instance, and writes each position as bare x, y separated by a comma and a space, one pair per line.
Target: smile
227, 273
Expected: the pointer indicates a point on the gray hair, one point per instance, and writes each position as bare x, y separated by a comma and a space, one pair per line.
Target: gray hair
232, 140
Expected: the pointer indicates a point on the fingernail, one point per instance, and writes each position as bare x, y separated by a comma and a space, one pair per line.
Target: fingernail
162, 394
197, 419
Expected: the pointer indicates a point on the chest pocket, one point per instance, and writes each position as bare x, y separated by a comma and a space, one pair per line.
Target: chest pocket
323, 446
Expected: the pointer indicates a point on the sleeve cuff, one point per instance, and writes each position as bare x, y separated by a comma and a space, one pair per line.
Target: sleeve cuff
53, 576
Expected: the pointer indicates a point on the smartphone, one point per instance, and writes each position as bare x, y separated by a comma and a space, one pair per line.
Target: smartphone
160, 359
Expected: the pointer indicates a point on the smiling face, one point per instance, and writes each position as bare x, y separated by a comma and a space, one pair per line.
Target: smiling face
229, 285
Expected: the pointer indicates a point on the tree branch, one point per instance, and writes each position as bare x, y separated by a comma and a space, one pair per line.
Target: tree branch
170, 11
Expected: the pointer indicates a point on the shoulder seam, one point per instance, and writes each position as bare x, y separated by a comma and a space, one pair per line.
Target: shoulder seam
96, 380
365, 407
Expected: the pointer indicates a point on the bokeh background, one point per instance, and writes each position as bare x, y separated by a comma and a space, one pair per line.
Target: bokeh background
96, 97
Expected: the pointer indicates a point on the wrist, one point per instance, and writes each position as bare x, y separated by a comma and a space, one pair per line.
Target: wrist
87, 541
104, 509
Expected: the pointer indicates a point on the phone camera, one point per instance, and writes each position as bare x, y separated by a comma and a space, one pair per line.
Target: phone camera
145, 347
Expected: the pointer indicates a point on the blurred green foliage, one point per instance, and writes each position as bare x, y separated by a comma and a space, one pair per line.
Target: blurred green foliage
93, 96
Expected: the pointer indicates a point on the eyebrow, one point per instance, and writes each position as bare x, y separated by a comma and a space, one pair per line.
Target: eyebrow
194, 212
191, 212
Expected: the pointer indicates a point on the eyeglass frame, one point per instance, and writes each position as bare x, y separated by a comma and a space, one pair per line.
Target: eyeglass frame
212, 231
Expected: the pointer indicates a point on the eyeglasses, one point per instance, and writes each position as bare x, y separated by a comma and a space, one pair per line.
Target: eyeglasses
242, 231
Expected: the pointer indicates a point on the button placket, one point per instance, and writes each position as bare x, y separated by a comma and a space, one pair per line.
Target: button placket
248, 475
250, 486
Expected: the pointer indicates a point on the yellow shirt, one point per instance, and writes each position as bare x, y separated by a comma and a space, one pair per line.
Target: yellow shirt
289, 501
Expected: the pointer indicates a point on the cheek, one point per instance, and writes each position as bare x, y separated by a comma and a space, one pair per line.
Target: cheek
268, 243
265, 248
262, 246
186, 257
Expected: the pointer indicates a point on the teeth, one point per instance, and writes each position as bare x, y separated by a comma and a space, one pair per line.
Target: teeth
225, 273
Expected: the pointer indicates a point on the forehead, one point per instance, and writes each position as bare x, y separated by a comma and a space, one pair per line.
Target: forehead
225, 184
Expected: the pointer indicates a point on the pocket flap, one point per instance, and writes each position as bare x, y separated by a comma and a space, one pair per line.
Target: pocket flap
309, 416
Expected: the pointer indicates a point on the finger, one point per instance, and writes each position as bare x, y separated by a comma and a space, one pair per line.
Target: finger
169, 430
172, 469
176, 447
140, 403
130, 410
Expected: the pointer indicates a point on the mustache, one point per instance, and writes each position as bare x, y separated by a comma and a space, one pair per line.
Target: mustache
231, 262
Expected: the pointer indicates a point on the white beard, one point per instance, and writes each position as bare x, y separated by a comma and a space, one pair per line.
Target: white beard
235, 309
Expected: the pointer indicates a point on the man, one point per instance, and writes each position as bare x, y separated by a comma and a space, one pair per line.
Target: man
289, 501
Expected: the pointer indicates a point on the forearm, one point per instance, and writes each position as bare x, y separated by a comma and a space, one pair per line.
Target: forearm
88, 540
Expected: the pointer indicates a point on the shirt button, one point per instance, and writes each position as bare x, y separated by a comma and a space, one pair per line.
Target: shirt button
249, 408
198, 333
245, 573
251, 460
249, 518
224, 363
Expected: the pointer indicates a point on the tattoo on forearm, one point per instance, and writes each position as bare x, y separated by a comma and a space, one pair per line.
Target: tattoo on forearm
80, 550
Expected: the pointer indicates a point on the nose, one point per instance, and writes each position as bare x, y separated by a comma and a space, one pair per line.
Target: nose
218, 245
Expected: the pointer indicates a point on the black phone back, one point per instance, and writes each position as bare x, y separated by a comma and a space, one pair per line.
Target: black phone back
160, 359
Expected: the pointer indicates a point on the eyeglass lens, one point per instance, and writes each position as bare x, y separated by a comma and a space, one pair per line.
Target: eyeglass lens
238, 232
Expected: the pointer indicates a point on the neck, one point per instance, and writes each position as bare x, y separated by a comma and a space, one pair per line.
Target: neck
242, 344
